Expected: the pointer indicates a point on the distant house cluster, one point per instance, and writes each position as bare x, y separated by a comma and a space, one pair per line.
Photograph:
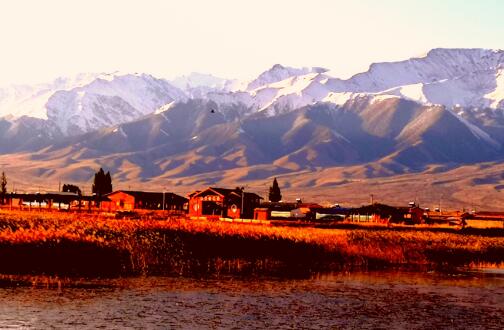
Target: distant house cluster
226, 203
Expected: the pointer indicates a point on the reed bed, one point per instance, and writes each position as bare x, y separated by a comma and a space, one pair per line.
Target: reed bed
90, 245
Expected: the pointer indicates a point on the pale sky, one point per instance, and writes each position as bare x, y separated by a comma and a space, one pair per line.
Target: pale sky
41, 40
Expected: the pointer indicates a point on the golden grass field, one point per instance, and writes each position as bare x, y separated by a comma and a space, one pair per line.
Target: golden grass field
92, 245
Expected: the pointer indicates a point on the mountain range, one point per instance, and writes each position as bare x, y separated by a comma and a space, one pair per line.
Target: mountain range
421, 118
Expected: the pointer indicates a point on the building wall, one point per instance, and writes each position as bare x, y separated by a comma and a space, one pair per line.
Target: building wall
120, 201
415, 215
234, 211
261, 214
196, 207
211, 204
476, 223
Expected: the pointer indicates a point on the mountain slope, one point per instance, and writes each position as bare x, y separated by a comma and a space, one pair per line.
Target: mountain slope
191, 138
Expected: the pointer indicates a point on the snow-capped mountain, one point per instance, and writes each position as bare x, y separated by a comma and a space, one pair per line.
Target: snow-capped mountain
30, 100
278, 73
89, 101
278, 90
108, 101
199, 84
464, 78
450, 77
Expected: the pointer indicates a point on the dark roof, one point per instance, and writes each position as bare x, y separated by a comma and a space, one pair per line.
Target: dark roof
382, 209
330, 210
226, 192
45, 194
151, 195
222, 191
55, 196
194, 193
277, 206
485, 215
490, 213
309, 205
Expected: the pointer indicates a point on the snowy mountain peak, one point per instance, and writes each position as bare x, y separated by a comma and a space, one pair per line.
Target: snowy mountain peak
468, 78
278, 73
109, 100
87, 102
438, 64
199, 84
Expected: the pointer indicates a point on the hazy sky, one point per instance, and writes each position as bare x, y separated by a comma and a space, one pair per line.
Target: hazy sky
44, 39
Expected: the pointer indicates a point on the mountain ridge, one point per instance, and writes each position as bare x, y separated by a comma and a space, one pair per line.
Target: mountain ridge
383, 123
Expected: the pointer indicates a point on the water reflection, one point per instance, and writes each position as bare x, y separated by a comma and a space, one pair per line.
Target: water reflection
338, 300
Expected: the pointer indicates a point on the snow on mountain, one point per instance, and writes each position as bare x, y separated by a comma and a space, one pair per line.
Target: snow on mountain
478, 132
30, 100
278, 73
468, 78
450, 77
89, 101
204, 82
496, 96
301, 87
438, 64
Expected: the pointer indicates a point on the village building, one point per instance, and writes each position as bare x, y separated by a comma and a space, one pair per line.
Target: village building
329, 213
299, 211
452, 218
304, 211
52, 201
128, 200
388, 214
274, 211
223, 202
484, 219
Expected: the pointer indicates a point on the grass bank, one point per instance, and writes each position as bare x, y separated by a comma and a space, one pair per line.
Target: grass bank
58, 243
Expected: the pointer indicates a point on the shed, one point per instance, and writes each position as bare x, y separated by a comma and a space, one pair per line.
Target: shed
128, 200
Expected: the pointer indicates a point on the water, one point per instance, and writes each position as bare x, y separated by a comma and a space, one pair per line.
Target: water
377, 300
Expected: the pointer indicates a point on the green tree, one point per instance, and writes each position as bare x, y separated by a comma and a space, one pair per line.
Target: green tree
102, 183
274, 192
107, 183
71, 188
3, 188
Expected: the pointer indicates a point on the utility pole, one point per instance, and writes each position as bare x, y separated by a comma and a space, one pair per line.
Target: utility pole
163, 199
372, 199
241, 209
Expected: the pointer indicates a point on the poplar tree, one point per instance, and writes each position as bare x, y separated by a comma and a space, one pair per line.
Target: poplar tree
274, 192
102, 183
3, 188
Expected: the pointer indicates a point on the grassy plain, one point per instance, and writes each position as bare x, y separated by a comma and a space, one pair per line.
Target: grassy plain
91, 245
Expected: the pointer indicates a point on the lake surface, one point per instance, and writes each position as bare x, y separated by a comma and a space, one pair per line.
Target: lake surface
361, 300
